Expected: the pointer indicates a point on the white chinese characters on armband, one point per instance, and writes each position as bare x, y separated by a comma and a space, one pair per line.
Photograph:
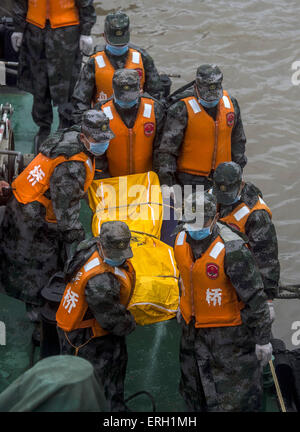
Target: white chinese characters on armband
214, 296
70, 300
35, 175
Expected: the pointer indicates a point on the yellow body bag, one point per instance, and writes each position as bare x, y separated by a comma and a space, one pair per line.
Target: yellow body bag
136, 199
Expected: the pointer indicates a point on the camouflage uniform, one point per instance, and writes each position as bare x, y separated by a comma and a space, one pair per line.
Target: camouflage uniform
32, 246
128, 116
116, 33
108, 353
50, 60
219, 367
165, 159
262, 238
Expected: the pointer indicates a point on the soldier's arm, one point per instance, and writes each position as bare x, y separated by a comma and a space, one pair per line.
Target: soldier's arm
67, 188
19, 12
84, 91
103, 297
238, 137
261, 233
152, 85
101, 171
165, 161
87, 15
159, 112
244, 275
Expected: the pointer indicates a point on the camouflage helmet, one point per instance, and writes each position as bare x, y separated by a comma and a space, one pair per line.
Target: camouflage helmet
116, 28
115, 240
95, 125
227, 180
126, 84
209, 82
194, 212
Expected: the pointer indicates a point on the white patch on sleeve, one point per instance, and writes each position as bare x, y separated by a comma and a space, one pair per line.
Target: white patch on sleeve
216, 250
89, 164
241, 213
147, 110
100, 61
180, 238
119, 272
226, 102
89, 266
108, 113
195, 106
261, 201
136, 57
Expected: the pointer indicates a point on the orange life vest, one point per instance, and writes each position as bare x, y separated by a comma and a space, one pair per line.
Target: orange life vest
206, 291
207, 143
73, 306
104, 72
130, 152
34, 181
239, 216
60, 13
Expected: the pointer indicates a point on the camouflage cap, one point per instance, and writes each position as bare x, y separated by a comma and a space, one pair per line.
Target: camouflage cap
209, 82
199, 208
95, 124
226, 182
126, 84
115, 239
116, 28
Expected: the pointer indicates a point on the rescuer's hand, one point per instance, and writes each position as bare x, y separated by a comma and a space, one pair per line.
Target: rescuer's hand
85, 44
16, 40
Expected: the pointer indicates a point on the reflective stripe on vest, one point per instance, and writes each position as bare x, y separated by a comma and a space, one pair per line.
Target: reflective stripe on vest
206, 143
60, 13
130, 152
239, 216
34, 181
104, 72
208, 294
73, 306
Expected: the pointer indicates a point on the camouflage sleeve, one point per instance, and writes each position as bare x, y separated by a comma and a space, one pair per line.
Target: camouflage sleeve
87, 15
238, 138
244, 275
165, 161
83, 91
262, 237
103, 297
159, 112
101, 171
153, 85
19, 14
67, 188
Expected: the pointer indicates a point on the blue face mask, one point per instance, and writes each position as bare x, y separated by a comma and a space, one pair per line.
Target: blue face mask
117, 50
123, 104
200, 234
210, 104
114, 263
99, 148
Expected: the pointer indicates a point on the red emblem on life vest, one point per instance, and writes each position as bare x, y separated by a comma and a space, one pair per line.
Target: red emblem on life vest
212, 270
148, 128
140, 72
234, 226
230, 119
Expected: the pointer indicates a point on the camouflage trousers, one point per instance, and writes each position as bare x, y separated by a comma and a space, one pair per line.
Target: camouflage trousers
108, 355
49, 65
219, 369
